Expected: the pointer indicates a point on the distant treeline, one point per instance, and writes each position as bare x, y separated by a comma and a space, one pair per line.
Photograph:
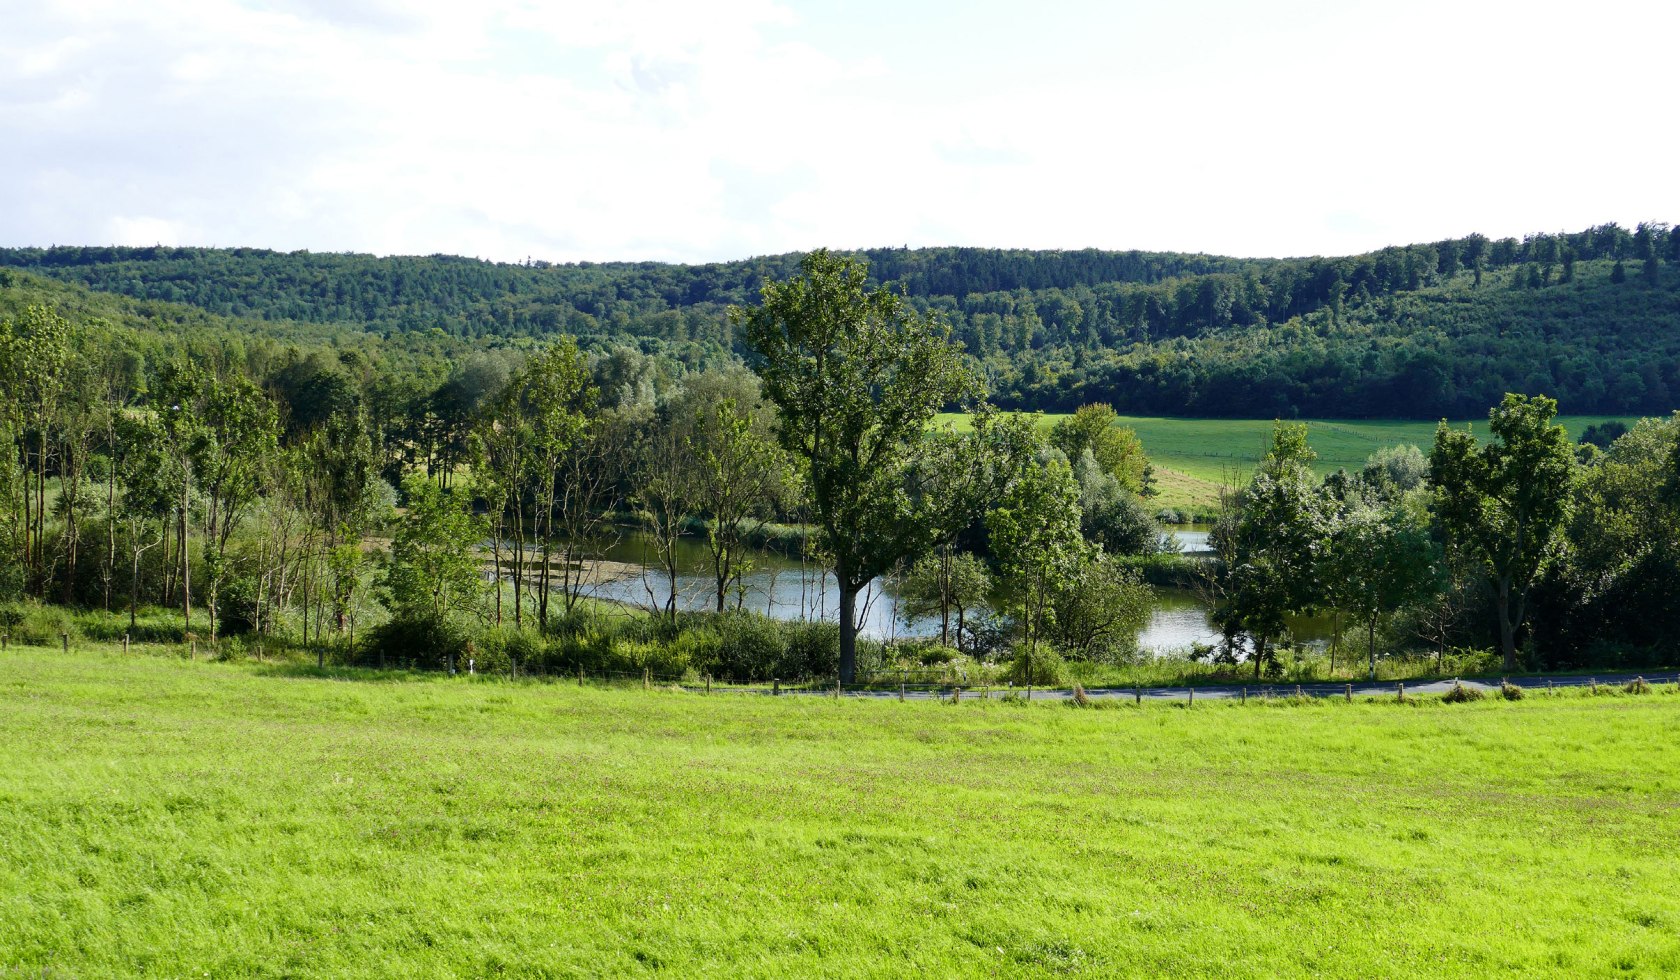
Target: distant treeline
1414, 331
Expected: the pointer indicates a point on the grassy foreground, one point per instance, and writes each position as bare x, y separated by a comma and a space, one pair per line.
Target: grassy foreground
165, 818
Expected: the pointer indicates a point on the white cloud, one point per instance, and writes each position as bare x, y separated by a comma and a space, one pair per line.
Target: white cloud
674, 130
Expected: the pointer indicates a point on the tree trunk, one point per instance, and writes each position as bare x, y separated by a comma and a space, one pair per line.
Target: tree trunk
110, 530
1259, 655
1371, 645
134, 594
186, 568
1507, 629
848, 630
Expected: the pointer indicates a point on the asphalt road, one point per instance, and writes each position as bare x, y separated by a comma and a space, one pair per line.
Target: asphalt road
1531, 683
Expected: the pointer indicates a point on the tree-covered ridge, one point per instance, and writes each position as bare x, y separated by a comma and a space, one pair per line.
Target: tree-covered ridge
1415, 331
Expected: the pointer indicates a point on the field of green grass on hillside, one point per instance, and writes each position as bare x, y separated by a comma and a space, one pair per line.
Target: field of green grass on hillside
1209, 449
166, 818
1194, 457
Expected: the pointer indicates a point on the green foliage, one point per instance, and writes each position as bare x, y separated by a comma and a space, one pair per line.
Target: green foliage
1040, 667
1100, 609
1380, 559
1035, 536
1270, 545
1505, 504
434, 570
856, 375
425, 640
946, 584
1111, 516
1095, 429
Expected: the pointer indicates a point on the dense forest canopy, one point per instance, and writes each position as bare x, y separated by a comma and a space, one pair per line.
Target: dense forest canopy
1417, 331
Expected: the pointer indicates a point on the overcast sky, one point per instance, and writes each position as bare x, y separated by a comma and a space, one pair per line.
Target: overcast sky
694, 131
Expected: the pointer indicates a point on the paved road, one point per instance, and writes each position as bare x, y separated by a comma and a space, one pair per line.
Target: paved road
1227, 691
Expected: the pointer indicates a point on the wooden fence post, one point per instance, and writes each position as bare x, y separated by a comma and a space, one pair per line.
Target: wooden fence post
645, 678
1192, 703
1349, 692
708, 682
125, 643
901, 690
1137, 691
775, 686
1244, 695
1400, 690
5, 640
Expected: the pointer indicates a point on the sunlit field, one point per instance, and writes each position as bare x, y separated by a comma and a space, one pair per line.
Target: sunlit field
1194, 457
173, 818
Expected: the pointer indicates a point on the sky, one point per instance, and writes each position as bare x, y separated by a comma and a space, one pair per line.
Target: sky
684, 131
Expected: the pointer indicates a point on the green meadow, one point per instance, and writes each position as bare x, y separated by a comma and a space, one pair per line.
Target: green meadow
1210, 452
167, 818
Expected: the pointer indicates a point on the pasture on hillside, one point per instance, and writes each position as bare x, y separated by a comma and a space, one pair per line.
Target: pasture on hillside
165, 818
1194, 457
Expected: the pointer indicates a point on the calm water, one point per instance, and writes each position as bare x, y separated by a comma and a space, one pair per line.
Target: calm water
784, 589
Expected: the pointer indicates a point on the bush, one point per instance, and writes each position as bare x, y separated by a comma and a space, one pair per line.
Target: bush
1461, 694
1637, 686
1048, 668
1510, 691
32, 624
504, 648
812, 649
428, 642
750, 647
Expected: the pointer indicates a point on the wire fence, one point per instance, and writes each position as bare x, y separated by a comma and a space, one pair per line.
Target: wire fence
922, 683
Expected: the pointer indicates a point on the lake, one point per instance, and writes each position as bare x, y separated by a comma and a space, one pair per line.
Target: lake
784, 588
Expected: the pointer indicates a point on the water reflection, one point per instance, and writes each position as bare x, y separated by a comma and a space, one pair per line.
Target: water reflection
785, 588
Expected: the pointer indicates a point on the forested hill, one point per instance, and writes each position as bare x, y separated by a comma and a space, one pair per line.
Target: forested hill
1444, 328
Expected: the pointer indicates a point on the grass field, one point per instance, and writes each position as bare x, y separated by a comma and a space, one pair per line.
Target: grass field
1193, 456
167, 818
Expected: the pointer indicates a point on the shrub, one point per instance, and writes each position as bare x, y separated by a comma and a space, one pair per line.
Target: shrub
230, 649
32, 624
750, 647
1048, 667
1637, 686
1080, 697
427, 641
934, 655
1510, 691
812, 648
1460, 694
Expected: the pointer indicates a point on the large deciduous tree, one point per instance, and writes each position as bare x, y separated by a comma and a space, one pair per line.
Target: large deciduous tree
1272, 544
1505, 503
857, 374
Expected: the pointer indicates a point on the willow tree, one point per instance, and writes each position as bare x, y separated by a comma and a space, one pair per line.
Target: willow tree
857, 375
